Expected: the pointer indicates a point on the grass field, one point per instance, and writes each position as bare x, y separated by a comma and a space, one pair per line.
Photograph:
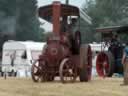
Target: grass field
96, 87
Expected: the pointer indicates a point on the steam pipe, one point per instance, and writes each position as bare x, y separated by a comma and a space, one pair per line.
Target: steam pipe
56, 17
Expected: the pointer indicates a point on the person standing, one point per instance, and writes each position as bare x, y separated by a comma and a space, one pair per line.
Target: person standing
125, 64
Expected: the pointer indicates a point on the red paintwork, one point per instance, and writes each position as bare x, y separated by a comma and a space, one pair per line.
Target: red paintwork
58, 43
61, 44
56, 17
102, 64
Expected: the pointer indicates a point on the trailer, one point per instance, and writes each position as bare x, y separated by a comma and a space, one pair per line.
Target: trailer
17, 55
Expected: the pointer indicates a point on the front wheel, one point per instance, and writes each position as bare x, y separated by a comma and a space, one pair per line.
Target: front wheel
67, 71
36, 71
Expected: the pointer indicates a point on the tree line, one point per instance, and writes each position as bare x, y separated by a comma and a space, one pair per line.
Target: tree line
19, 19
104, 13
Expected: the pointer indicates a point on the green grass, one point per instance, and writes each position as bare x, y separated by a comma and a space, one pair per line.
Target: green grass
96, 87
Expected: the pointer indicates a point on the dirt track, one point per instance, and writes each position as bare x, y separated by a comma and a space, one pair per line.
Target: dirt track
97, 87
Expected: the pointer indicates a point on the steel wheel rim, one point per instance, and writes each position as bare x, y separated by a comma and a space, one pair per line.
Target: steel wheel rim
89, 68
35, 71
102, 64
36, 67
67, 73
38, 73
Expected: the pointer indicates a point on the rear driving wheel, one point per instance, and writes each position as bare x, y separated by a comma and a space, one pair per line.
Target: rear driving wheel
105, 64
86, 63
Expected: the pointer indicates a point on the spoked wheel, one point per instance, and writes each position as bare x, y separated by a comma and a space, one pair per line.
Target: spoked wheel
36, 71
105, 64
67, 71
86, 63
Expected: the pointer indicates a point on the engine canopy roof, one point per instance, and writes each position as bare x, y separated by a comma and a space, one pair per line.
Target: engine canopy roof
46, 12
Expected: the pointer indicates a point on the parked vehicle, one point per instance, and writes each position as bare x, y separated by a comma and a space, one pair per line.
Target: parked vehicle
18, 55
63, 55
109, 62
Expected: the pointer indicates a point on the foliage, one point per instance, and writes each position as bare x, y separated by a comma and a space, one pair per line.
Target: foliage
19, 21
7, 20
27, 21
106, 13
86, 31
7, 16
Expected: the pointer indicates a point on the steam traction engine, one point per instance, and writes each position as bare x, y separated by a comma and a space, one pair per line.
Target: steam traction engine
63, 54
109, 62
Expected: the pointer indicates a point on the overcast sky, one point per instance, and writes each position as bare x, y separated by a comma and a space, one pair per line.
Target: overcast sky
73, 2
